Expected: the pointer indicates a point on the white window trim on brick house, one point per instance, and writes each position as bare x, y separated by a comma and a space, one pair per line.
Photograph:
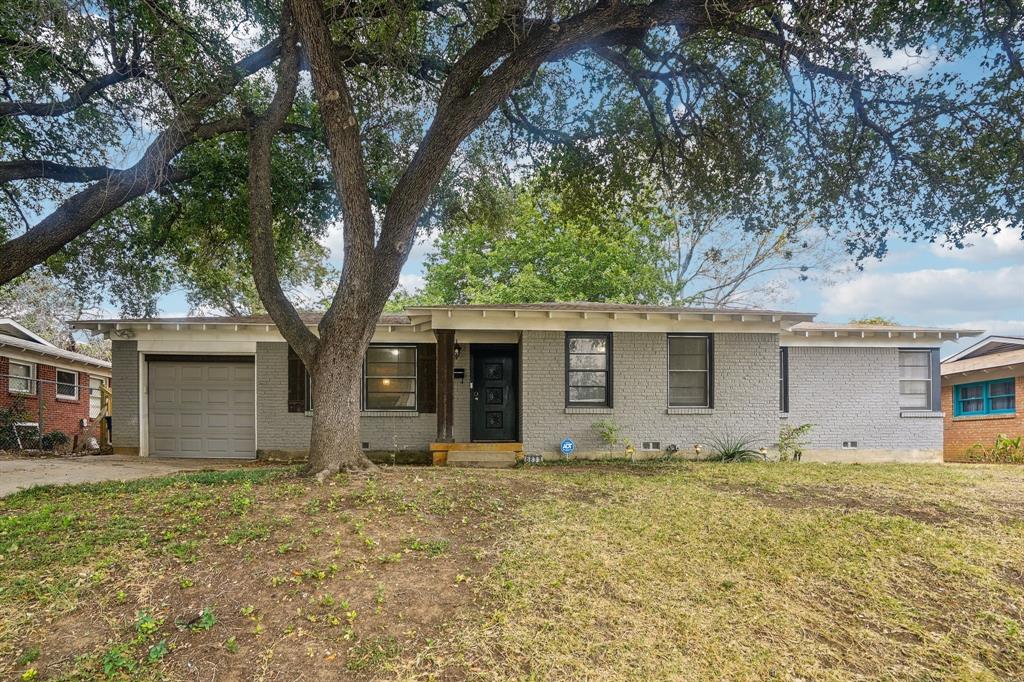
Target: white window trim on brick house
30, 380
62, 384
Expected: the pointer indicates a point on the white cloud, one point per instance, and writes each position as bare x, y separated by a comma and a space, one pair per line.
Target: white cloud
900, 61
411, 282
932, 296
334, 241
1006, 245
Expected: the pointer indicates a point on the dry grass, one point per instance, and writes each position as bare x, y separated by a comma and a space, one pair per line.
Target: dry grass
657, 571
758, 572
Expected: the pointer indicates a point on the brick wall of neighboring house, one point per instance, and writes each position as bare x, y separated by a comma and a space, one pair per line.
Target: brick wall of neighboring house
960, 433
746, 385
852, 394
59, 414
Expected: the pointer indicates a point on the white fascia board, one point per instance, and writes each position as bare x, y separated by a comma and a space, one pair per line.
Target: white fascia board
19, 355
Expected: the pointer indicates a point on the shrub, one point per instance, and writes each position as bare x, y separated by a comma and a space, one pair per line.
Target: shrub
1005, 450
53, 440
9, 416
791, 443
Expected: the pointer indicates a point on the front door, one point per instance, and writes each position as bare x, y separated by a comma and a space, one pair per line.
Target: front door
493, 405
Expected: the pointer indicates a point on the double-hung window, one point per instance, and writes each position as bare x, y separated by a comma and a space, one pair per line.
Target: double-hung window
690, 372
389, 378
588, 370
915, 379
22, 378
67, 385
984, 397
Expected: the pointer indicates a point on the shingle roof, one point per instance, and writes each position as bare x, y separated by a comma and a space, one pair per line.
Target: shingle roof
607, 307
839, 326
990, 361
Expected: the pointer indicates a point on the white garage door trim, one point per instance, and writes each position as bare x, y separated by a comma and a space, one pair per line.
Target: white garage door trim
200, 406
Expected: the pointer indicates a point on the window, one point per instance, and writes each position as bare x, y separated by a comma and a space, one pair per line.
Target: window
67, 385
986, 397
783, 380
21, 379
915, 379
96, 385
690, 370
389, 377
588, 370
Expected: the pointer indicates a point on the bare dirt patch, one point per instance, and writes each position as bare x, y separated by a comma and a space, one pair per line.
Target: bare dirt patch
300, 581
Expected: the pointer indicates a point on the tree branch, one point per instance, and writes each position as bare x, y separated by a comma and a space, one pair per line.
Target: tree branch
261, 213
79, 212
28, 169
74, 100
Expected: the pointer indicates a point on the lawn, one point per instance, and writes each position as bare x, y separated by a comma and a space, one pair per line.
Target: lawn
654, 571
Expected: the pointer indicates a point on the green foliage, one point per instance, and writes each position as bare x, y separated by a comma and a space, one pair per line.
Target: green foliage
732, 448
792, 442
9, 416
1005, 450
876, 320
608, 431
527, 244
53, 440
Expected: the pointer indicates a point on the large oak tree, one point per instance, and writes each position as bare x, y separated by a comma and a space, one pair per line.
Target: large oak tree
735, 98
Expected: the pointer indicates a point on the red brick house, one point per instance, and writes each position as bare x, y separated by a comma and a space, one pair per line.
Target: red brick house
982, 395
69, 382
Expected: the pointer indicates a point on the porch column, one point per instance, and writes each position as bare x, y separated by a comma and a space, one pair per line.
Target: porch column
445, 384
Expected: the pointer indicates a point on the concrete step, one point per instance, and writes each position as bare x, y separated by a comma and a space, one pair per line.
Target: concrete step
489, 459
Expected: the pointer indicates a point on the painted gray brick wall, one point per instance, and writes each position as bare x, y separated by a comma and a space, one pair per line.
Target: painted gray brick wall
852, 394
746, 393
124, 384
279, 429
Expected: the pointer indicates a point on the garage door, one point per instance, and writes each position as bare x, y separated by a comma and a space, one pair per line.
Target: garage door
202, 408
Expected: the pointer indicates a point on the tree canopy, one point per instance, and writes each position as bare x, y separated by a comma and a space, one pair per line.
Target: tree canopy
770, 108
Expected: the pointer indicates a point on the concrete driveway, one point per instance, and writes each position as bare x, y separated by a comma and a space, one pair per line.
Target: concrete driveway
24, 473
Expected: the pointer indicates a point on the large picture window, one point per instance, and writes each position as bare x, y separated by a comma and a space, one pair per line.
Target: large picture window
915, 379
985, 397
67, 385
689, 370
389, 378
588, 370
21, 379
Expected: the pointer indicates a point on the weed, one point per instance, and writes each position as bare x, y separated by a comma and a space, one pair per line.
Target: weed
231, 644
28, 655
431, 548
372, 654
157, 651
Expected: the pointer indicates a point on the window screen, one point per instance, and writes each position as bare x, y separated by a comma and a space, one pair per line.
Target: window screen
390, 378
588, 369
689, 371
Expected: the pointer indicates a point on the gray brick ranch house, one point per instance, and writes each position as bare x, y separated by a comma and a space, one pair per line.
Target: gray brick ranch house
521, 378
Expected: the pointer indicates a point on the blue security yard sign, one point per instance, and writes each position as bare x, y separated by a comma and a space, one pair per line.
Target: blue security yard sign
567, 447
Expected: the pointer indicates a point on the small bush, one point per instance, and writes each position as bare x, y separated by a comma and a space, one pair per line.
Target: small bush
1005, 450
9, 416
53, 440
791, 441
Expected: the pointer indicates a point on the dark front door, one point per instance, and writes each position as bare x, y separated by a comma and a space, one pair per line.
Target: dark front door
493, 404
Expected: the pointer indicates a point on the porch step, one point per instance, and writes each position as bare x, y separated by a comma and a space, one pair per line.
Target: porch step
490, 459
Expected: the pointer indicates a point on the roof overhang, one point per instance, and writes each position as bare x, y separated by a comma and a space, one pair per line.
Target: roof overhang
49, 354
989, 344
820, 334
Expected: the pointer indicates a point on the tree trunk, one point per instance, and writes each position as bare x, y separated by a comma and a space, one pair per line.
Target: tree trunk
335, 443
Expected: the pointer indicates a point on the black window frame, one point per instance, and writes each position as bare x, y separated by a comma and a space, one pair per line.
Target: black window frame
415, 377
608, 369
784, 379
710, 372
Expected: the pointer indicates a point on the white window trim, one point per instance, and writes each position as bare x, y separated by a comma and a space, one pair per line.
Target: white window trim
31, 378
58, 383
